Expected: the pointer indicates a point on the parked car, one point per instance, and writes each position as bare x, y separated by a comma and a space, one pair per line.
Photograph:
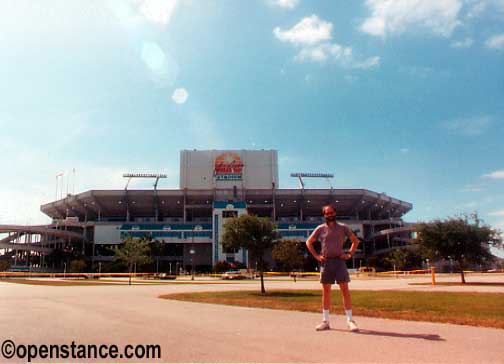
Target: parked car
233, 274
165, 276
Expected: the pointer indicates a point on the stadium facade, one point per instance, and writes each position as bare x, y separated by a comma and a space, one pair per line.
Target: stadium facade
188, 222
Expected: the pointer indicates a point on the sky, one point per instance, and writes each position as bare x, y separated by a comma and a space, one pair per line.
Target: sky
404, 97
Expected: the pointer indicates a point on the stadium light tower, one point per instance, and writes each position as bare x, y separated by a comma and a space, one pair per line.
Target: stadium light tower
157, 176
312, 175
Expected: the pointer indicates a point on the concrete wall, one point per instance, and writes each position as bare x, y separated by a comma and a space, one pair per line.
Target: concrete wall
208, 169
107, 234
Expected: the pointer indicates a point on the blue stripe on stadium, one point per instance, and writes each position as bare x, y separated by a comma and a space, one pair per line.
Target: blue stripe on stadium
224, 204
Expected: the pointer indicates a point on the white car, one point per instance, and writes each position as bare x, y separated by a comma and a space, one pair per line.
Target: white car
233, 274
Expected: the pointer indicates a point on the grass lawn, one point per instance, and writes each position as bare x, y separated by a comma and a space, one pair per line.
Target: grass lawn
488, 284
476, 309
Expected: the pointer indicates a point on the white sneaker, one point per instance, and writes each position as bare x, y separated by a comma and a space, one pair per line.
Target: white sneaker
352, 325
323, 326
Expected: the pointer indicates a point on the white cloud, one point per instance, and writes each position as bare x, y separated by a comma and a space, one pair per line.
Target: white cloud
397, 16
334, 52
417, 71
404, 150
495, 42
470, 126
466, 43
496, 213
480, 8
313, 35
367, 63
158, 11
477, 9
499, 174
322, 52
287, 4
309, 30
180, 95
471, 188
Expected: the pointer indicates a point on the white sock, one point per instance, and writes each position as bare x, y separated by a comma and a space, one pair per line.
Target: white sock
325, 315
348, 314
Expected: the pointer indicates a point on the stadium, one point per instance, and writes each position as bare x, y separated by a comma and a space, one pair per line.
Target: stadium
188, 222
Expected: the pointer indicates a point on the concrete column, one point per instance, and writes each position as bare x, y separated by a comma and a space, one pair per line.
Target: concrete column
184, 206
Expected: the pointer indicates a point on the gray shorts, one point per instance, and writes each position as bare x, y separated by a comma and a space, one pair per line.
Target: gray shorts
334, 270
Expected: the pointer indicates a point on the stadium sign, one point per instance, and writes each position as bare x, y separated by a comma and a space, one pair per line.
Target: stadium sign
228, 166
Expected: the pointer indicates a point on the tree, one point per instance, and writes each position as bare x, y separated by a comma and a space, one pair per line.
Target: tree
404, 258
133, 251
288, 254
77, 265
155, 250
223, 266
256, 234
464, 239
5, 264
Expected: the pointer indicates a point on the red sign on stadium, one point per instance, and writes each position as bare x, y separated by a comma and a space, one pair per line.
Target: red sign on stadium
228, 167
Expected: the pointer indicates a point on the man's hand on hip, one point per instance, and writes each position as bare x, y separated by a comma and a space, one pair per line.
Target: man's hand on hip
345, 256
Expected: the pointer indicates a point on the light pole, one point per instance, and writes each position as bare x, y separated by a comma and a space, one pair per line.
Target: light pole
154, 246
192, 251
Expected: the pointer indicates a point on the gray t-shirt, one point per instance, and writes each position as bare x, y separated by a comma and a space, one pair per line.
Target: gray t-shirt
332, 239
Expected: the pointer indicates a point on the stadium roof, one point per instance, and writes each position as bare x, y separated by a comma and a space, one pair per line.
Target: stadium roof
287, 202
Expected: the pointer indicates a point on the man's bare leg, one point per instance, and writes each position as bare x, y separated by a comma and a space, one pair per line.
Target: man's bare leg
326, 304
326, 296
345, 292
347, 304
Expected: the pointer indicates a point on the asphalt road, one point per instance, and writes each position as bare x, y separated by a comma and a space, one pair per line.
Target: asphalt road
192, 332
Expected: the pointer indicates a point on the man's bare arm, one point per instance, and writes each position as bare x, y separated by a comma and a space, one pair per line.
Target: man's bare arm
309, 245
353, 248
355, 242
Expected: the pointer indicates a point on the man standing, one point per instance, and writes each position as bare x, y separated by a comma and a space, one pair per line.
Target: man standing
333, 235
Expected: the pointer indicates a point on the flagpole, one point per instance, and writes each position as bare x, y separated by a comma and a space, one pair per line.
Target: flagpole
62, 185
57, 187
